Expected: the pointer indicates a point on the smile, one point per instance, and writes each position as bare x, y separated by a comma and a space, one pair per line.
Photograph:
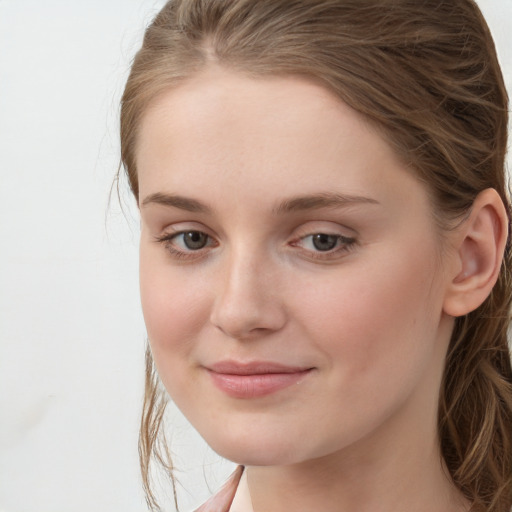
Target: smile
254, 380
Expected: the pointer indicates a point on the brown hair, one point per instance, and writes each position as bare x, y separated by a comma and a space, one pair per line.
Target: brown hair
424, 72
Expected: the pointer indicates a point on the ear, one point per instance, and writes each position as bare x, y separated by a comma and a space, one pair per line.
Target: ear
480, 243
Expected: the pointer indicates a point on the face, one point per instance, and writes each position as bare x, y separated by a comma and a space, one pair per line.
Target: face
291, 273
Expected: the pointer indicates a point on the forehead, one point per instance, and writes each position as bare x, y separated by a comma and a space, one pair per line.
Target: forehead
222, 132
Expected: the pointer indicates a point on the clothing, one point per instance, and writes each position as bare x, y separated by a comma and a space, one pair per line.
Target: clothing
232, 497
242, 501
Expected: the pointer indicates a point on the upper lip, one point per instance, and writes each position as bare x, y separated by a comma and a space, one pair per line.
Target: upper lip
253, 368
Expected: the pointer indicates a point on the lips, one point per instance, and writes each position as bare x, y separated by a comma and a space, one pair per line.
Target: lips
254, 379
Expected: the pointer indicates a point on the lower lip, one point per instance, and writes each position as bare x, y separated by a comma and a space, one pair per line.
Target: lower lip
253, 386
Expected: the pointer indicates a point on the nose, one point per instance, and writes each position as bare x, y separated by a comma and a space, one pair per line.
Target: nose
248, 303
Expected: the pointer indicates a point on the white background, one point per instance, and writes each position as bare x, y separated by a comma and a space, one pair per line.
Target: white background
71, 333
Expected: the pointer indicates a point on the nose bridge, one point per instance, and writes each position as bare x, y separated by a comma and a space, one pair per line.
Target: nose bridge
247, 300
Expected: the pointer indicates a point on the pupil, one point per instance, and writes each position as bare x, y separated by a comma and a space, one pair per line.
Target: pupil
323, 242
195, 240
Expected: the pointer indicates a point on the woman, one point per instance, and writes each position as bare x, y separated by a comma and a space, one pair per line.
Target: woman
324, 251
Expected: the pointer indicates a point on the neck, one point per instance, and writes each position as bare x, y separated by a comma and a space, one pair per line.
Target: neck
373, 485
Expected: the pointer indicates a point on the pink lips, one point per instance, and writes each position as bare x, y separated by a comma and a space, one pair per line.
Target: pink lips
255, 379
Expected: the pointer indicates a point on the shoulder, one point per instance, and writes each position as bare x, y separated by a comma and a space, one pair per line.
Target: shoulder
221, 501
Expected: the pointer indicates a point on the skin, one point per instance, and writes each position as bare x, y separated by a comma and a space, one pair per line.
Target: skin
358, 432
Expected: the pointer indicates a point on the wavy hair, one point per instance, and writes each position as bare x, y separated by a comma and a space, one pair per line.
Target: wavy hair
426, 74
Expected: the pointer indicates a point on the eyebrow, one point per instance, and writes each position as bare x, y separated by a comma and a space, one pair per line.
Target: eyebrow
181, 202
321, 200
294, 204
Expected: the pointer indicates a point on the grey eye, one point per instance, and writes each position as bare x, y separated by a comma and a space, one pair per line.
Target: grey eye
323, 242
194, 240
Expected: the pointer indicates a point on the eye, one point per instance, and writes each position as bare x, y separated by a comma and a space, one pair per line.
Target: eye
325, 245
186, 244
323, 242
191, 240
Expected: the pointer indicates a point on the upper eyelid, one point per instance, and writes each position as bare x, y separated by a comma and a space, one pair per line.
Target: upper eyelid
299, 232
337, 235
346, 240
352, 235
305, 229
166, 236
184, 227
334, 226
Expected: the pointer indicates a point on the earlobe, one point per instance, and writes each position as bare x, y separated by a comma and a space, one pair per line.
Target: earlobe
481, 242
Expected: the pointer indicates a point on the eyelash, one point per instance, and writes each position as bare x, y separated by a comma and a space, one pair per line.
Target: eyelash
344, 245
167, 241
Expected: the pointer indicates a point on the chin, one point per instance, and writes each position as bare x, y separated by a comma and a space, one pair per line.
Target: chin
256, 456
257, 451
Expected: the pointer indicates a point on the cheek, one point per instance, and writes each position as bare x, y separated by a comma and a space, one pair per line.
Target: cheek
376, 320
175, 308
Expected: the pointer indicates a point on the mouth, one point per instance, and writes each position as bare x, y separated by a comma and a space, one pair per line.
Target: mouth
255, 379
